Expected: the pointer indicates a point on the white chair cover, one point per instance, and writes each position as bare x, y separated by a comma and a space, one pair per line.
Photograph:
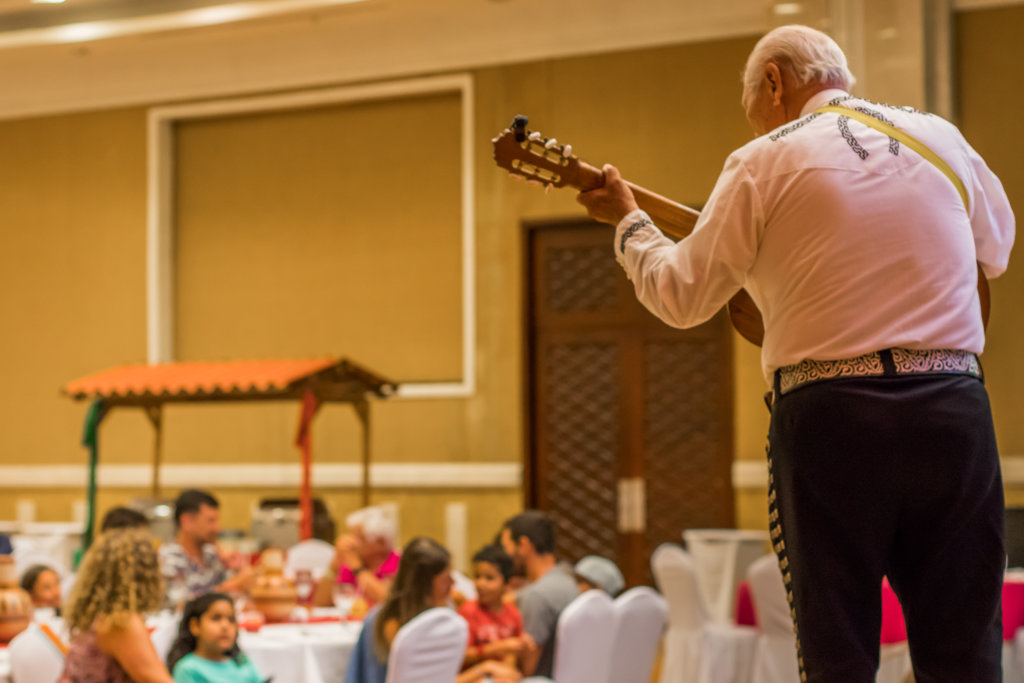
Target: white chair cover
464, 585
34, 657
721, 557
775, 659
641, 616
894, 664
697, 651
1013, 670
583, 645
313, 555
429, 648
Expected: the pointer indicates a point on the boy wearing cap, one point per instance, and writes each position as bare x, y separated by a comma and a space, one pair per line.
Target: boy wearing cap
598, 572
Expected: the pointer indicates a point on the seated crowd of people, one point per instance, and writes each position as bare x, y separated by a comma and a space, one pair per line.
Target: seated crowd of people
521, 589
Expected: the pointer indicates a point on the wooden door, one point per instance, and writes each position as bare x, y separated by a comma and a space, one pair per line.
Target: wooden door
630, 420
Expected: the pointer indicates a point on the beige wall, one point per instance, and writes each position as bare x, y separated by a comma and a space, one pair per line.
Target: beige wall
989, 53
332, 230
273, 257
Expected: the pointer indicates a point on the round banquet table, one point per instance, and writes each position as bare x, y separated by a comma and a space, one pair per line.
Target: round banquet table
301, 653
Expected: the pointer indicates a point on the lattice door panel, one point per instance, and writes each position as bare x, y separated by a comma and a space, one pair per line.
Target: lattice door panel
581, 446
687, 455
617, 396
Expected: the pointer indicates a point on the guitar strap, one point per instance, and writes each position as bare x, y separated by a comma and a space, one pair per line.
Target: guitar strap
908, 140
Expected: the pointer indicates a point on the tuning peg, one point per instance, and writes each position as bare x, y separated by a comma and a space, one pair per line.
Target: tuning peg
551, 143
567, 151
533, 182
535, 135
515, 176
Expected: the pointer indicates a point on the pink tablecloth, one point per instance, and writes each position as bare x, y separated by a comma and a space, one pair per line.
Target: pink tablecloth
894, 630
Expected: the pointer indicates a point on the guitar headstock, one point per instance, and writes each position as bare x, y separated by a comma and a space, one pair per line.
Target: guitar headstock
532, 156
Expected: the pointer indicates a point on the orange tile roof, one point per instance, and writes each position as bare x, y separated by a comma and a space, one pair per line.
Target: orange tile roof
198, 379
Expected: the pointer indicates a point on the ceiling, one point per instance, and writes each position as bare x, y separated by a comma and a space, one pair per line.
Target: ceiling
27, 22
23, 14
93, 54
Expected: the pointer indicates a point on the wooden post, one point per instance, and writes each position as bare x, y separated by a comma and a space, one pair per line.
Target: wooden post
155, 415
362, 408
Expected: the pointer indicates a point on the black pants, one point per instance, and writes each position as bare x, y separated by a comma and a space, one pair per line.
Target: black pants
894, 476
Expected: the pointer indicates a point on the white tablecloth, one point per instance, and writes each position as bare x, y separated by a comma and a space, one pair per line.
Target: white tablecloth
302, 653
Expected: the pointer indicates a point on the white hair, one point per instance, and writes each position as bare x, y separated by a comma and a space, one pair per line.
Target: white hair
809, 55
375, 522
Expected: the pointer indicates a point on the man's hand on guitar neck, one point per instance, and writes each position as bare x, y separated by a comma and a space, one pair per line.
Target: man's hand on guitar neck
612, 201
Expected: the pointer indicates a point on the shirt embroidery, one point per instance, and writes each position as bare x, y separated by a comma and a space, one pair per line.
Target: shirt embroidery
843, 123
630, 231
797, 125
844, 129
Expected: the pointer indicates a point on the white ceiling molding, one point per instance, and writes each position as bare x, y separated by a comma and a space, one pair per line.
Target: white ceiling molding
374, 40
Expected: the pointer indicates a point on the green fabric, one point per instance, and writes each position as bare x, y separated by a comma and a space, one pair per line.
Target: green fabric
194, 669
90, 439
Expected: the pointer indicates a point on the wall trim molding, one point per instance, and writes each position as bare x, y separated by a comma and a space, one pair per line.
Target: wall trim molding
160, 219
420, 475
746, 474
753, 474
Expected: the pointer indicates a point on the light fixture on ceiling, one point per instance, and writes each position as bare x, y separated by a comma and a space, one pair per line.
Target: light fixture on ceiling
47, 2
182, 19
787, 9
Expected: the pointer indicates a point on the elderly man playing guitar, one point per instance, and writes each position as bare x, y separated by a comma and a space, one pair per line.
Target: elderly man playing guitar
855, 228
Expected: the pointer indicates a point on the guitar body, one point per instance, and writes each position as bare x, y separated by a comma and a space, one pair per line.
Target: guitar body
540, 160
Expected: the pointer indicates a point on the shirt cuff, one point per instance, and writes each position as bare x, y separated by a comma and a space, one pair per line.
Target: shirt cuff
633, 222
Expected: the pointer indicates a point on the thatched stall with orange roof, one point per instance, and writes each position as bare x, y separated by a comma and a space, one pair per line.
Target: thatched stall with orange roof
150, 387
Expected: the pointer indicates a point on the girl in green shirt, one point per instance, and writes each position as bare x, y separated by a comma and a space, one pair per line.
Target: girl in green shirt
206, 650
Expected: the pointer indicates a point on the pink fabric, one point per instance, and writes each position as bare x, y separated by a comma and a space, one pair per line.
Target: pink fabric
893, 628
745, 613
389, 568
1013, 608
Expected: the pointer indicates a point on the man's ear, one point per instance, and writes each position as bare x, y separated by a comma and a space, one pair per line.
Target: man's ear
526, 546
773, 82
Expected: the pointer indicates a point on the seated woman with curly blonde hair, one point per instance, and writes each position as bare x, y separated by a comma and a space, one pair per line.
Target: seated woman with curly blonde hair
118, 582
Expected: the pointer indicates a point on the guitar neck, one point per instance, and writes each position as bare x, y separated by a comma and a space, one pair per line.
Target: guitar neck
671, 217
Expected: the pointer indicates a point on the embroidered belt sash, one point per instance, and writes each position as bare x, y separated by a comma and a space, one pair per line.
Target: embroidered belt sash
885, 363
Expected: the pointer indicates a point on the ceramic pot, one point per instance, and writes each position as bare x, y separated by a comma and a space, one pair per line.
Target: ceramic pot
273, 594
15, 604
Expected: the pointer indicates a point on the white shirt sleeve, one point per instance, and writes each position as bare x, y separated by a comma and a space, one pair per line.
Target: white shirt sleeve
686, 283
992, 221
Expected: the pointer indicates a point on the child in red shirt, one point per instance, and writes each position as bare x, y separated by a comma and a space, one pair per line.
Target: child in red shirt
495, 626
